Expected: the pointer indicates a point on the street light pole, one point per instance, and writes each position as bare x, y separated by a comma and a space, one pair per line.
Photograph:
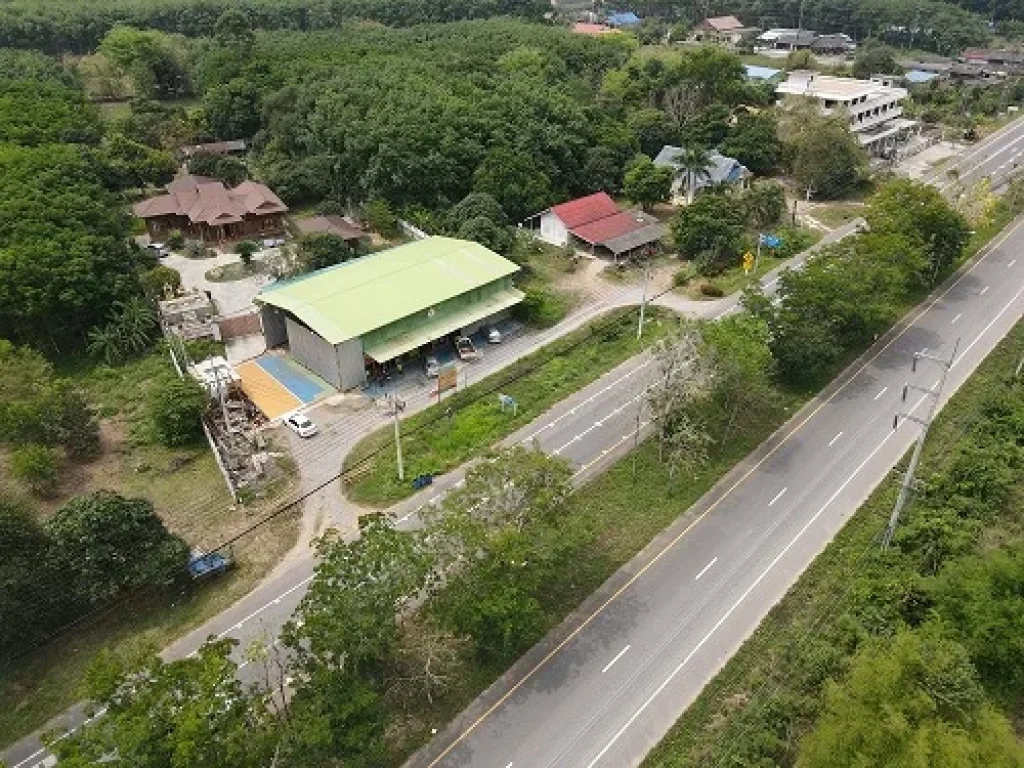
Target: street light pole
643, 304
397, 407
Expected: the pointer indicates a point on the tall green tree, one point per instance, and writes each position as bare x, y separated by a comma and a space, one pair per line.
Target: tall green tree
647, 184
754, 141
914, 700
150, 58
821, 151
695, 165
709, 231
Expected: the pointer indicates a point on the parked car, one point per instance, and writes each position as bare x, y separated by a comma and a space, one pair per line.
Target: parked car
493, 335
301, 425
433, 368
202, 564
160, 249
273, 242
465, 348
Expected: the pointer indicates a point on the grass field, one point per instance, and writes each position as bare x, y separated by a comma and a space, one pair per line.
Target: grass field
431, 443
768, 694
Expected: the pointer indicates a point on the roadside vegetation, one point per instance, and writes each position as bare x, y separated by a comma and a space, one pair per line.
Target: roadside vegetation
434, 442
887, 656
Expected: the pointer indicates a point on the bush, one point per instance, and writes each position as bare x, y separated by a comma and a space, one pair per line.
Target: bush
175, 240
682, 276
380, 218
196, 249
175, 408
156, 282
711, 290
245, 249
38, 466
541, 308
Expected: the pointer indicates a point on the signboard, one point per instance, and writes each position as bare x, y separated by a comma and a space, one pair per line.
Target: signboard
447, 378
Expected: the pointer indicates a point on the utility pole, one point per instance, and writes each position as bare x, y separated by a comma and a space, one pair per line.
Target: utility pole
397, 406
636, 435
643, 303
908, 485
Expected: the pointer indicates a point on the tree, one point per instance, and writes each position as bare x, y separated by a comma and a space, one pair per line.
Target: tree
472, 206
320, 250
380, 217
754, 141
695, 164
823, 154
764, 203
647, 184
653, 129
484, 231
708, 231
245, 250
980, 600
478, 217
233, 110
149, 58
919, 212
175, 407
38, 466
740, 356
519, 185
914, 700
875, 59
801, 59
111, 544
39, 407
127, 164
231, 170
159, 281
33, 596
157, 714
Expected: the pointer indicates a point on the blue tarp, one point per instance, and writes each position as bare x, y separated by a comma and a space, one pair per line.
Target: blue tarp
624, 19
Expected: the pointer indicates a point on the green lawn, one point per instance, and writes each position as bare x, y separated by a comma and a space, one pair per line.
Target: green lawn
836, 214
432, 443
769, 693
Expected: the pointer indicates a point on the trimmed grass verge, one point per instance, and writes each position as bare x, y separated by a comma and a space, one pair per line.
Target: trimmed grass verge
434, 443
769, 694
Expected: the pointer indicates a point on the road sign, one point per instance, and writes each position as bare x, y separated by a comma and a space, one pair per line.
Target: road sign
771, 241
507, 401
748, 262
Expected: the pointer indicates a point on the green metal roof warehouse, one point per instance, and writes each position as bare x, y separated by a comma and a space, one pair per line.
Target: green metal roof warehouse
384, 305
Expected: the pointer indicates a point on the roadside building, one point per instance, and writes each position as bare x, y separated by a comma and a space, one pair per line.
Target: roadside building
874, 109
190, 316
721, 170
592, 30
342, 321
204, 209
721, 30
787, 39
919, 76
834, 45
995, 61
332, 224
597, 224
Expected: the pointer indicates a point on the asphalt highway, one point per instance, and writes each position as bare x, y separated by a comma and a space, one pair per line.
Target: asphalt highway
644, 646
591, 429
996, 159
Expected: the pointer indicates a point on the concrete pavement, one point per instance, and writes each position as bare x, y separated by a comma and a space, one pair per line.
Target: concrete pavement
604, 688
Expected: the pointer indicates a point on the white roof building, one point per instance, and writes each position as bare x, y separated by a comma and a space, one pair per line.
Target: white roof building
874, 108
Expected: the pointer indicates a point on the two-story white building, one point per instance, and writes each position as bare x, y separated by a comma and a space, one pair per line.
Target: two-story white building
874, 107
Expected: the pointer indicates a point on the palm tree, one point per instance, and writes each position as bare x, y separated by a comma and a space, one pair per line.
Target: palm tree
695, 162
105, 343
135, 323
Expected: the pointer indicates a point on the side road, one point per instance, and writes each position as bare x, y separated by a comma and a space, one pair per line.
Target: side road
569, 428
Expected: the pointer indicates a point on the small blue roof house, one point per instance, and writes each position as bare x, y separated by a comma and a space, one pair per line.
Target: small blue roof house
720, 170
622, 19
916, 76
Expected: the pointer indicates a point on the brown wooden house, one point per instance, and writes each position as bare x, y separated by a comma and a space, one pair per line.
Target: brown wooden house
204, 209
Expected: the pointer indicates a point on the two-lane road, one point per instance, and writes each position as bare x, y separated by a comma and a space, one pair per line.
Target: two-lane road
659, 631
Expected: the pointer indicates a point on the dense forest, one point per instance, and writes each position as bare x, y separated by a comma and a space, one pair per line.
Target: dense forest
77, 27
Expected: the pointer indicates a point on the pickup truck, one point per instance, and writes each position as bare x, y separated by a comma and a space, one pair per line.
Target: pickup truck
466, 350
202, 564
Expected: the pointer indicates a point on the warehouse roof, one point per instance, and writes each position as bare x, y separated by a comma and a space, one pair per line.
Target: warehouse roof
342, 302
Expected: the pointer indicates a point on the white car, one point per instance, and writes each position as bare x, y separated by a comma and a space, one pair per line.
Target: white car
301, 425
160, 249
493, 336
433, 368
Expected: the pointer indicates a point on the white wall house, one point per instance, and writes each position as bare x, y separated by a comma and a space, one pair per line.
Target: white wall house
553, 229
874, 108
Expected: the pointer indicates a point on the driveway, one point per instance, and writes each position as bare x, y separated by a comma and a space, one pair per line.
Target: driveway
232, 297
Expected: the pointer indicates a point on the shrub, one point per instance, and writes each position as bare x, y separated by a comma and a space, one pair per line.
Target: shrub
175, 240
380, 218
541, 308
196, 249
38, 466
175, 408
711, 290
156, 281
682, 276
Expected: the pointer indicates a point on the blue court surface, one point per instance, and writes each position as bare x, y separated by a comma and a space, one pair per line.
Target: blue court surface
304, 384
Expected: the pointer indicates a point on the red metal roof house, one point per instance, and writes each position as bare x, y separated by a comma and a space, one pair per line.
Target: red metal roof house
596, 221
